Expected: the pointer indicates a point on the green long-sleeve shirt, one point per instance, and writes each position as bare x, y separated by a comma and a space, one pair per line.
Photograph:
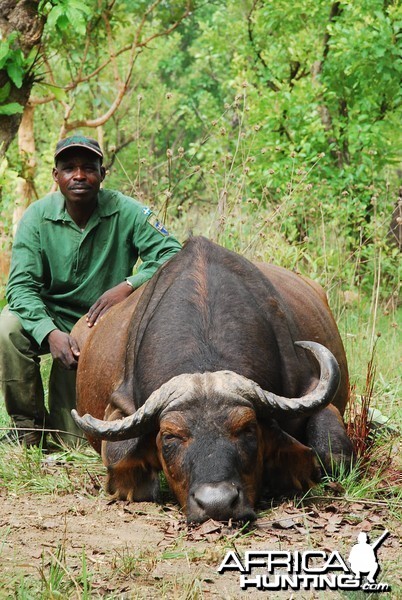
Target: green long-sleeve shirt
58, 271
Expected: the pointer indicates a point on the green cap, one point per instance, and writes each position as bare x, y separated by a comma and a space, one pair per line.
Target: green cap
78, 141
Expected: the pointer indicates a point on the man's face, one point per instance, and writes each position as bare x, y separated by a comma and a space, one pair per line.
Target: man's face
79, 173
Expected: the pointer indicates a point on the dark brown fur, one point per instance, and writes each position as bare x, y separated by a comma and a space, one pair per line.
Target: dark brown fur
205, 310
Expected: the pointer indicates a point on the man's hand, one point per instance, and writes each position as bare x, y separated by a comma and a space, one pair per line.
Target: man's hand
64, 349
107, 300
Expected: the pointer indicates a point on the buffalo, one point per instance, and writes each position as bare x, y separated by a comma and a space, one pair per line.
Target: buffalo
229, 376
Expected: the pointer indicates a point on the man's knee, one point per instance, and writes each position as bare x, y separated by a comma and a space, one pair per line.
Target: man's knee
9, 326
13, 337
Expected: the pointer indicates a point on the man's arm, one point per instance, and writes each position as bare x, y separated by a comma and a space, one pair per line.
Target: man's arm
111, 297
25, 281
154, 246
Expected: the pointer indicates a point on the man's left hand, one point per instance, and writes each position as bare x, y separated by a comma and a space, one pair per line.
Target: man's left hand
113, 296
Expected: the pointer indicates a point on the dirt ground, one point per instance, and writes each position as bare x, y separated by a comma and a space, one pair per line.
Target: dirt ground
146, 550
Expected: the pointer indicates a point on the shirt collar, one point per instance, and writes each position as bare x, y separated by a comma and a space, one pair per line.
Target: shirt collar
56, 210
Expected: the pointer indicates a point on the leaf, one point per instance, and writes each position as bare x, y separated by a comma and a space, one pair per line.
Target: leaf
53, 17
16, 73
4, 92
77, 20
4, 52
80, 6
284, 524
365, 526
59, 93
335, 487
12, 108
209, 528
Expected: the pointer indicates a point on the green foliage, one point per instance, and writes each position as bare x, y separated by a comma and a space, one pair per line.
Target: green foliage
276, 125
12, 60
11, 108
16, 66
30, 474
55, 579
271, 127
63, 15
8, 177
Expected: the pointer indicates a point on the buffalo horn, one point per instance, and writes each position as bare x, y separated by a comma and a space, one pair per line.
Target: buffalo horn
181, 388
323, 393
142, 420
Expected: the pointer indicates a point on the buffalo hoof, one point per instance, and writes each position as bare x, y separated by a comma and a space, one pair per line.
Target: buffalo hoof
134, 485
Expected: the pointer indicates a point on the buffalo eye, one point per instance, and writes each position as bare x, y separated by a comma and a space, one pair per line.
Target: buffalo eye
248, 430
246, 441
171, 442
172, 438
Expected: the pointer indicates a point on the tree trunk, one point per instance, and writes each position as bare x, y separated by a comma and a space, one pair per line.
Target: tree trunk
26, 192
21, 16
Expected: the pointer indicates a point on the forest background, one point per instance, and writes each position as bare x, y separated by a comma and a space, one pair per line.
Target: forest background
270, 127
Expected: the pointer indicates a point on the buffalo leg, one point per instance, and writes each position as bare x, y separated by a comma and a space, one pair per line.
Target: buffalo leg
126, 481
326, 434
132, 470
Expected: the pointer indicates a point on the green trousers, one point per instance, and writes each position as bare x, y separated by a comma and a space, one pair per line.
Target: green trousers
22, 385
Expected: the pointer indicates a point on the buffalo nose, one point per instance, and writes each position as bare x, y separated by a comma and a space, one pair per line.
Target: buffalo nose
217, 500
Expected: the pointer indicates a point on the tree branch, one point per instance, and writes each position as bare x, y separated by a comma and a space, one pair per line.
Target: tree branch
123, 85
316, 70
258, 52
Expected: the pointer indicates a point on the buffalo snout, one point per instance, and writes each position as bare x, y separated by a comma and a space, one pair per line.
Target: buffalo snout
219, 501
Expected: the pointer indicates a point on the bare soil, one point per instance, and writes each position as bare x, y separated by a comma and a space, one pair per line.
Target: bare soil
146, 550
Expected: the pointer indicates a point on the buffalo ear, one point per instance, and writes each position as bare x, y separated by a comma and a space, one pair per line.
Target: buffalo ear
290, 467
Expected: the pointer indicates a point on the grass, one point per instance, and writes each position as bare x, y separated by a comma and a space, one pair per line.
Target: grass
28, 470
53, 580
59, 576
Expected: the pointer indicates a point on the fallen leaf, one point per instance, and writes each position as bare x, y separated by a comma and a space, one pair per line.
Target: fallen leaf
335, 487
355, 508
284, 524
331, 508
365, 526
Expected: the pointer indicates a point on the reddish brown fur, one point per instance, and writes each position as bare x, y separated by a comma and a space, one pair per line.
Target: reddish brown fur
176, 477
100, 372
125, 478
240, 420
317, 323
294, 463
